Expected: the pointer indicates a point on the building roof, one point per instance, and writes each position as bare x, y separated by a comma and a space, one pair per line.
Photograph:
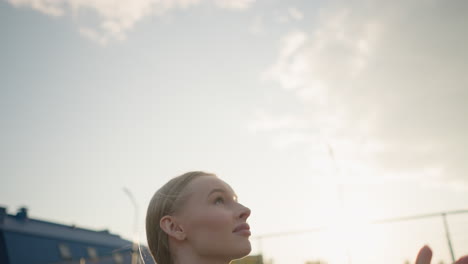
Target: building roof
21, 223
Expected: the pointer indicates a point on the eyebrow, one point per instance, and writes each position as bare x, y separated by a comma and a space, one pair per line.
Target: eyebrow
221, 191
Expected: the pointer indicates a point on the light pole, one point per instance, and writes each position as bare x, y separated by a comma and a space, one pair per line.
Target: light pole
341, 198
444, 217
135, 225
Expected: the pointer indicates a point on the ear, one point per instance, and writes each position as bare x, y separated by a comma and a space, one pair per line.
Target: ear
172, 228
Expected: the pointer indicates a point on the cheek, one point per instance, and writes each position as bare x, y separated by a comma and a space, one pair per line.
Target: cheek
213, 219
211, 222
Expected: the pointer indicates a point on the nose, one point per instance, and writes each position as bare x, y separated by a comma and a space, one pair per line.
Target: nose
244, 213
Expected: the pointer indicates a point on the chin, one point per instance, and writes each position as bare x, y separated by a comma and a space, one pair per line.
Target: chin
244, 250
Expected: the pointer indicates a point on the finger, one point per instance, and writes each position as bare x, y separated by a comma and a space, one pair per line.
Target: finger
462, 260
425, 256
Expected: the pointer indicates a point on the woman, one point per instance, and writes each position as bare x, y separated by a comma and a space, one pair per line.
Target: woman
195, 219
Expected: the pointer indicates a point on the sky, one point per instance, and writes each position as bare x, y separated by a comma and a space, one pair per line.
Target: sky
313, 111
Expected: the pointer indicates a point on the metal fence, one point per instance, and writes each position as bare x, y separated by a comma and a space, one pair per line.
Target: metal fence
386, 241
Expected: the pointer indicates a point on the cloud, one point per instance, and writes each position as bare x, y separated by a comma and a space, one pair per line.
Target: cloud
234, 4
386, 85
291, 14
295, 13
257, 27
52, 8
266, 122
116, 17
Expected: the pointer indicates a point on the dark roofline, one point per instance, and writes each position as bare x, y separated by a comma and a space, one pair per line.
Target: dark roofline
25, 225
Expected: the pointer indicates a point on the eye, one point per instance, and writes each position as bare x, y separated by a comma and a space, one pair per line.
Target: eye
219, 200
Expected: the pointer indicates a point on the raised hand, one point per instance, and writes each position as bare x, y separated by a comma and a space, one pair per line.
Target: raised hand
425, 256
462, 260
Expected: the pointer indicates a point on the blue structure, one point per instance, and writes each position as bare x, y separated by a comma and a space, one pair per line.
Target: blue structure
30, 241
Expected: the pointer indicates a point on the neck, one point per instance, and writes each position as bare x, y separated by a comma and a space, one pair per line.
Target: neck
182, 260
186, 256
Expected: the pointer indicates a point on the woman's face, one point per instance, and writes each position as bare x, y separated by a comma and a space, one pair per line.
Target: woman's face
213, 221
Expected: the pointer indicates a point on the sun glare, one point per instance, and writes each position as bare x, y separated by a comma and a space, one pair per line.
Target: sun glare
349, 236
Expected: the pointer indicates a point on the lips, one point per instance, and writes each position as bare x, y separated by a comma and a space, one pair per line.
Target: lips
243, 229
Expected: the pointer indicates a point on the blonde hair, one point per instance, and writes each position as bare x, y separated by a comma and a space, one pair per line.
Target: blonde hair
166, 201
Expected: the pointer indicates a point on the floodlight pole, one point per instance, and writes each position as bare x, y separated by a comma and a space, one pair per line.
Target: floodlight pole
135, 225
342, 208
447, 234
